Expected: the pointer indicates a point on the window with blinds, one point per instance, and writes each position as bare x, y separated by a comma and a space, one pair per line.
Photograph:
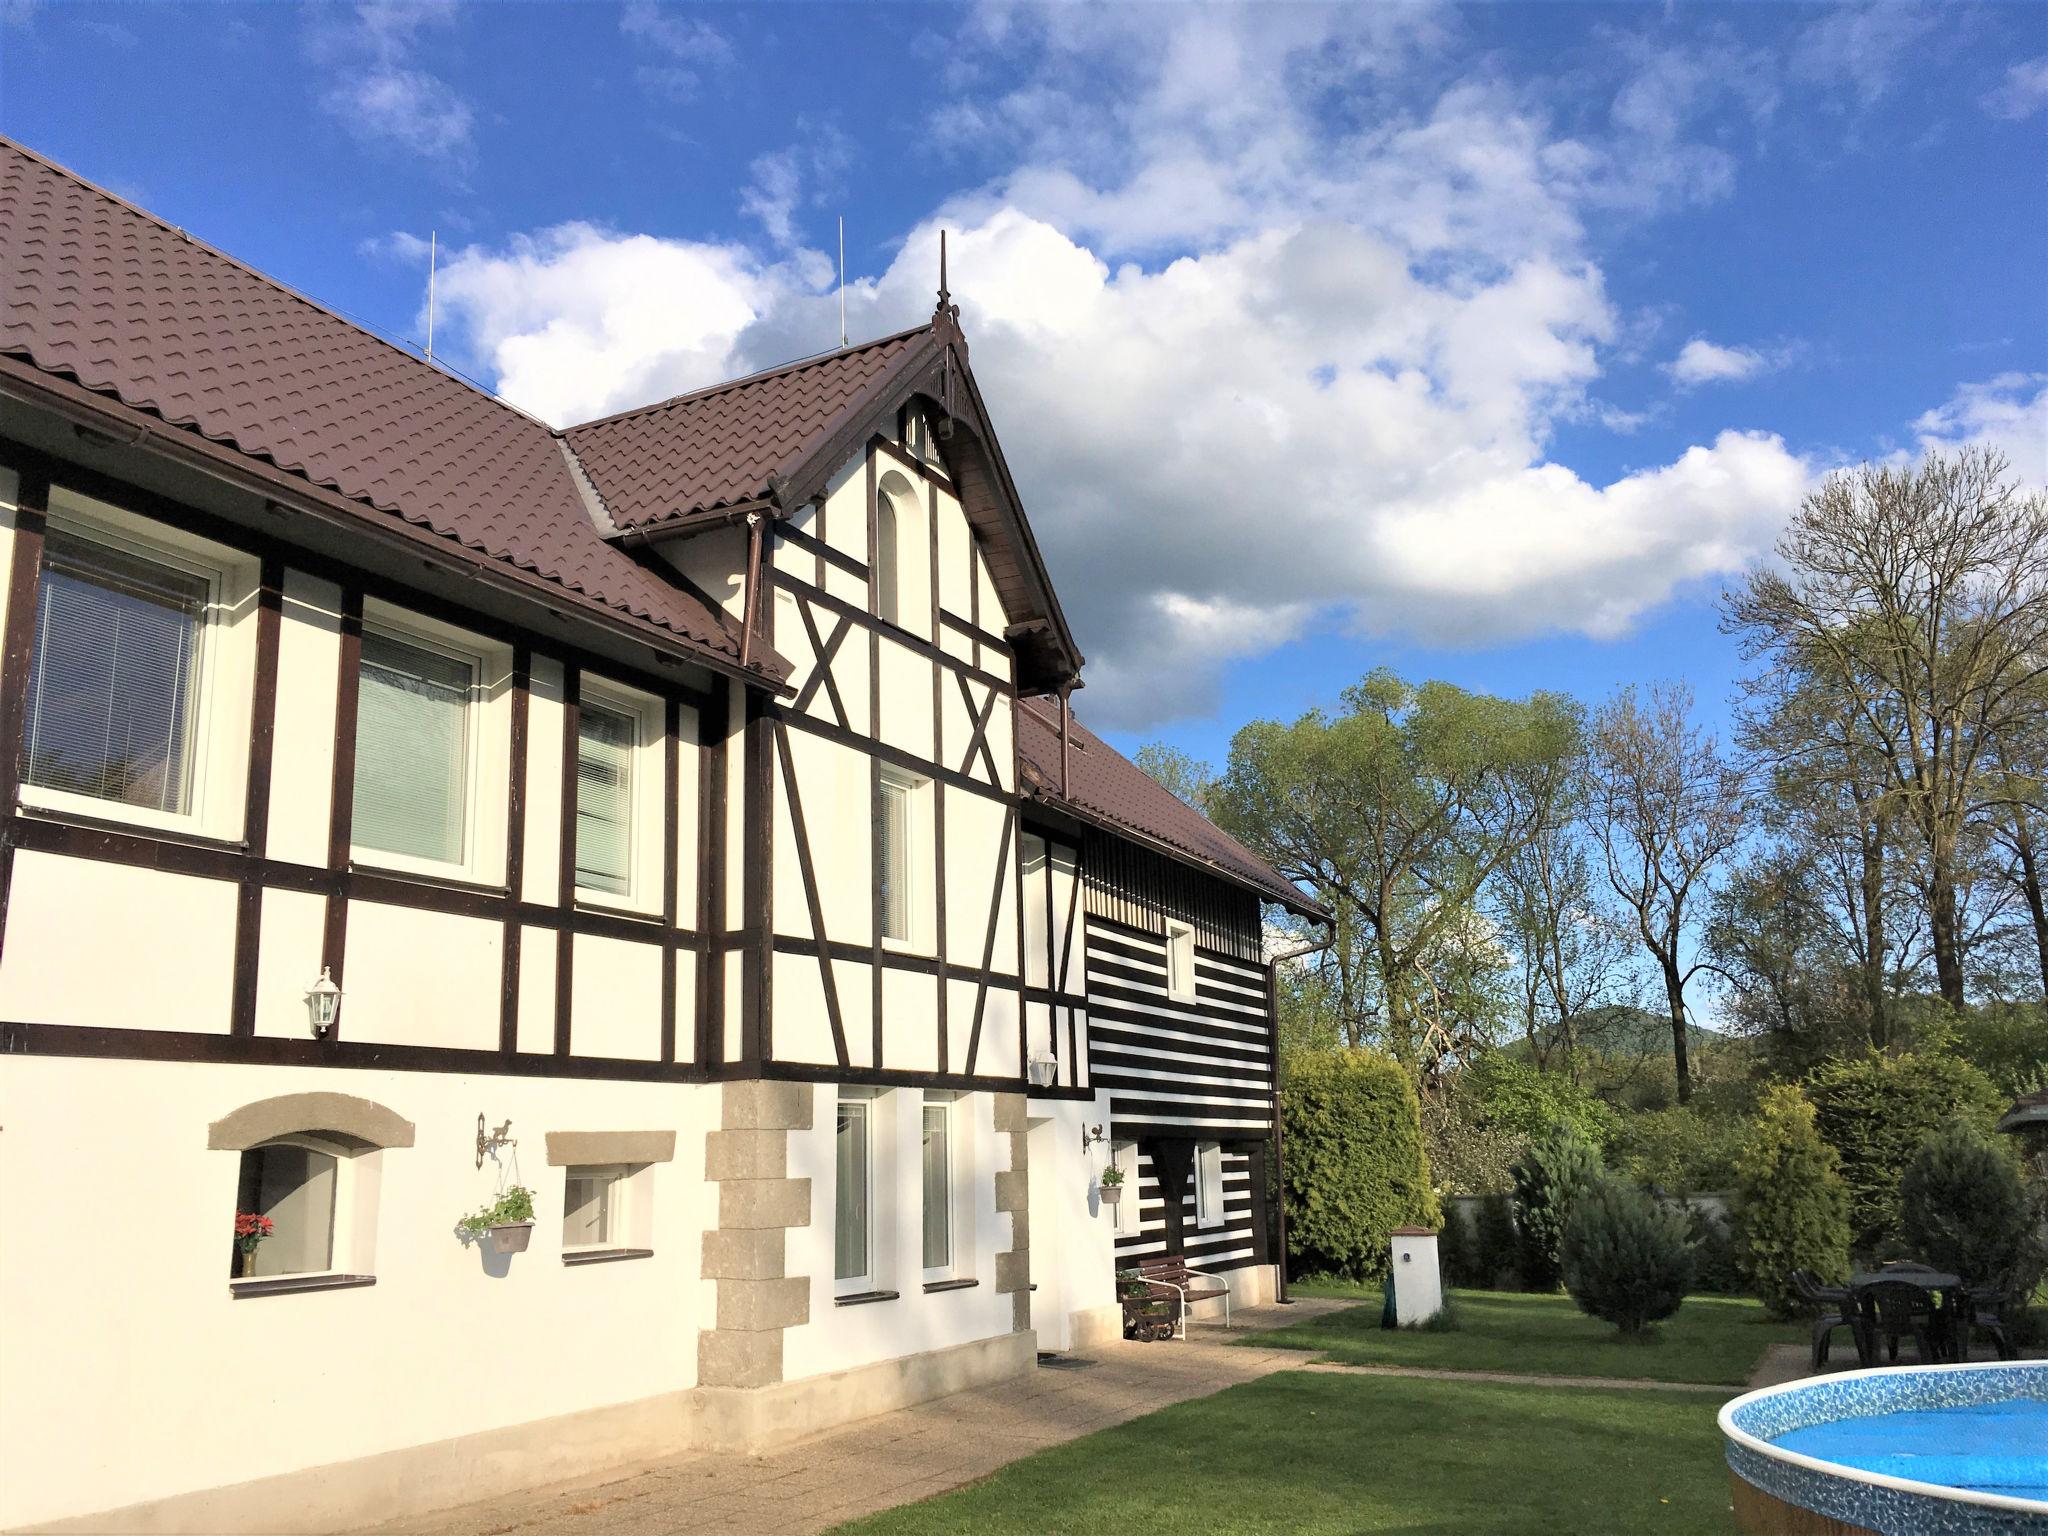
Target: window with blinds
894, 856
606, 739
114, 683
412, 750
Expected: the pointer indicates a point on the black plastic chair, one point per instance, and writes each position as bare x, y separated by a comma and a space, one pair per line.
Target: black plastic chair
1831, 1310
1894, 1310
1982, 1311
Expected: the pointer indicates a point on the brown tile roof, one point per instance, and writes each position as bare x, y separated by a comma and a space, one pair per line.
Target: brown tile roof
97, 290
1108, 789
720, 446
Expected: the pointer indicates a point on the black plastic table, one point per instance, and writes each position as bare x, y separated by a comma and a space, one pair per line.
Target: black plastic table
1948, 1288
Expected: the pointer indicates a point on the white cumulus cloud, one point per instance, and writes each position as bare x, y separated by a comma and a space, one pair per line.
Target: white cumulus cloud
1258, 368
1701, 361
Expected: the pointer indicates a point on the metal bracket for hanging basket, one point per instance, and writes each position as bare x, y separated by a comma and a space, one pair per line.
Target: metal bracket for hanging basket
488, 1143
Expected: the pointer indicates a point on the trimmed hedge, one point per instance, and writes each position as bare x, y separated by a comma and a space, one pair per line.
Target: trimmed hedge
1876, 1112
1791, 1206
1355, 1165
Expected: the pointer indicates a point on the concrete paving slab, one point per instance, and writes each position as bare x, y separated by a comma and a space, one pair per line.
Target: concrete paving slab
895, 1458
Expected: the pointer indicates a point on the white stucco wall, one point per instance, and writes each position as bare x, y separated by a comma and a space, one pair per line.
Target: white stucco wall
142, 1376
837, 1338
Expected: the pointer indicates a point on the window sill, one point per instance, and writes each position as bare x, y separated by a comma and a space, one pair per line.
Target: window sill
604, 1255
186, 837
363, 862
932, 1286
862, 1298
587, 903
287, 1285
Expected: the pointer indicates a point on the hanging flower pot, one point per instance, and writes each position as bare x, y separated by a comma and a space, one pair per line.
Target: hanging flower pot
508, 1222
1112, 1194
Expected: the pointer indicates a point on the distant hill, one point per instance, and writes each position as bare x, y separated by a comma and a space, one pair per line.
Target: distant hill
1620, 1030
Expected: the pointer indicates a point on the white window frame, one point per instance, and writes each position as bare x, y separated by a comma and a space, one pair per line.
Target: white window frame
947, 1105
917, 863
217, 716
1180, 942
618, 1208
487, 747
1209, 1201
853, 1285
340, 1243
1124, 1154
907, 502
646, 857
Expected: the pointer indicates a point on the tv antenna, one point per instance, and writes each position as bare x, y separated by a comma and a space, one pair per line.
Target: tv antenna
842, 280
433, 261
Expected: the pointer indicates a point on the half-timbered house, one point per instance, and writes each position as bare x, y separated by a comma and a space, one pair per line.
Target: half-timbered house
679, 816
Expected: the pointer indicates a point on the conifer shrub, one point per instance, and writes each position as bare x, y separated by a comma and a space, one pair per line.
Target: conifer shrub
1549, 1177
1714, 1269
1791, 1205
1355, 1165
1457, 1250
1626, 1257
1876, 1111
1964, 1209
1495, 1234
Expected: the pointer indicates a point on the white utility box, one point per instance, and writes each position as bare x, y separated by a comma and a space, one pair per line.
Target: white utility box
1418, 1289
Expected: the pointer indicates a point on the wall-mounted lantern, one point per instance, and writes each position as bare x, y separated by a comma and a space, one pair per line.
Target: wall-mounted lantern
1044, 1070
323, 1002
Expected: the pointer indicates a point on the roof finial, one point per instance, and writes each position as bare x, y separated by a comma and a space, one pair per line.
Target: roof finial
945, 298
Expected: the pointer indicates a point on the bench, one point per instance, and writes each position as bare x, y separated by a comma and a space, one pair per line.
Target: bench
1157, 1292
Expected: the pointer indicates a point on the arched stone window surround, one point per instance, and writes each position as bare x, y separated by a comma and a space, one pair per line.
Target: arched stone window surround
297, 1113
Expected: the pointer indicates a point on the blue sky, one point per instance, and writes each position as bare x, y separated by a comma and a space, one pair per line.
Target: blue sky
1484, 343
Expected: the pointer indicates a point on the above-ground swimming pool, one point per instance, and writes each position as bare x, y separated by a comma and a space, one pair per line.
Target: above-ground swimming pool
1900, 1451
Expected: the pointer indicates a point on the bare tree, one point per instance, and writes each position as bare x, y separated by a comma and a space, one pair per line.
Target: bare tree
1569, 951
1667, 809
1919, 598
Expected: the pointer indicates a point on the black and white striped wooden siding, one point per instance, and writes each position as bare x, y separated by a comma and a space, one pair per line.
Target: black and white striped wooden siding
1177, 1067
1228, 1245
1139, 889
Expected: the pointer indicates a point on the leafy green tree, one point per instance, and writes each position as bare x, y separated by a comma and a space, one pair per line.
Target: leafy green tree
1915, 598
1682, 1149
1187, 778
1625, 1258
1965, 1209
1876, 1111
1355, 1164
1557, 1168
1525, 1101
1396, 812
1791, 1206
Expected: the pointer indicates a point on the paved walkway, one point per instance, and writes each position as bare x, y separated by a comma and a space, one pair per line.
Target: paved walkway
896, 1458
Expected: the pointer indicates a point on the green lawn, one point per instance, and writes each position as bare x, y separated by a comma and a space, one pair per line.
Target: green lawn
1712, 1339
1329, 1455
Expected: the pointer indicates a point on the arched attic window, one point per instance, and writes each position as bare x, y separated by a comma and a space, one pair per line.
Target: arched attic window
888, 571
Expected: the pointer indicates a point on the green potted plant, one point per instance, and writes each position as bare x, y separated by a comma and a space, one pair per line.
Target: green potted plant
509, 1221
1112, 1185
